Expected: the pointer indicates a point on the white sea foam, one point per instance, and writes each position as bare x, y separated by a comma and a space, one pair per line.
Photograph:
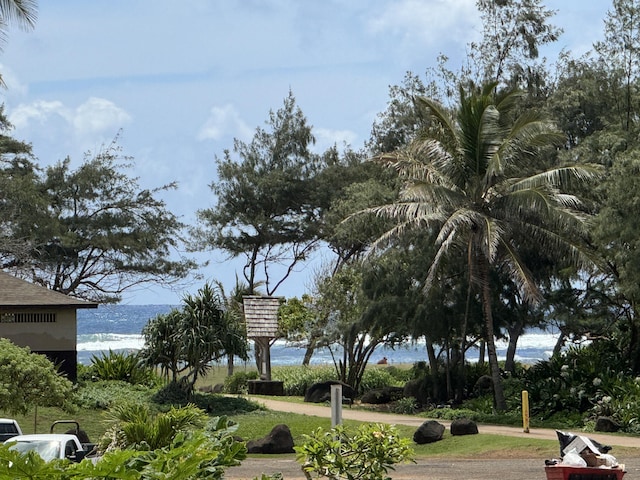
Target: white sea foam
109, 341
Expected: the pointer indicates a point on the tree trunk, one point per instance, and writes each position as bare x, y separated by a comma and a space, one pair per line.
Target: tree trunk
498, 392
462, 375
308, 353
230, 365
482, 352
514, 334
433, 366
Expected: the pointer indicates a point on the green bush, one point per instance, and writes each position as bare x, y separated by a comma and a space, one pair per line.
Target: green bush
401, 375
367, 454
173, 393
574, 380
237, 383
220, 405
101, 395
297, 379
136, 426
202, 454
127, 367
619, 400
376, 378
405, 406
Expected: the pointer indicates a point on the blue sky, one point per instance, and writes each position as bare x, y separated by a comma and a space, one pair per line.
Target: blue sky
181, 80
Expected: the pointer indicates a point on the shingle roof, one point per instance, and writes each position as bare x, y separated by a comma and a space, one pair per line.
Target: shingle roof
15, 292
261, 315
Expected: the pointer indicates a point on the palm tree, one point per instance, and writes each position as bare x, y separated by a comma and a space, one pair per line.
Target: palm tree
473, 180
23, 13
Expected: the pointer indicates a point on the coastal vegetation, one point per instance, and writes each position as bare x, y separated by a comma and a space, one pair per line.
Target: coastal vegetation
492, 198
144, 423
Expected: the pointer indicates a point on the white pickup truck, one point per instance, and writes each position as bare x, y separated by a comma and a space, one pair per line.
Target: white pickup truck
54, 445
9, 428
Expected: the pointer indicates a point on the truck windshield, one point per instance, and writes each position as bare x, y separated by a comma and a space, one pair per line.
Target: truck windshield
48, 450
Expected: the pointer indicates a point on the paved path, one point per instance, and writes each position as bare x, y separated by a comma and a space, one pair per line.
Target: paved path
426, 469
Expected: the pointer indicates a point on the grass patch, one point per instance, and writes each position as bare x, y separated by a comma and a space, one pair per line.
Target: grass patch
487, 445
40, 420
259, 423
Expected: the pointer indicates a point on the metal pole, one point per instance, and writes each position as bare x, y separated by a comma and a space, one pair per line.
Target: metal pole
336, 405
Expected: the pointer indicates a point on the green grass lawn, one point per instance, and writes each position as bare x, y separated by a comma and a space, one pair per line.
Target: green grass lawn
257, 424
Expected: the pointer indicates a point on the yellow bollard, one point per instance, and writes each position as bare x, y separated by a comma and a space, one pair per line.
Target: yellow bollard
525, 411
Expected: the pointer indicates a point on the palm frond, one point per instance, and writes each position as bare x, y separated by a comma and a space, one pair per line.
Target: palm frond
443, 248
490, 237
560, 176
520, 274
458, 222
438, 112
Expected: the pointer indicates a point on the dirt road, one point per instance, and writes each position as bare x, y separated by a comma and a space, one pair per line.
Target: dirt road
428, 469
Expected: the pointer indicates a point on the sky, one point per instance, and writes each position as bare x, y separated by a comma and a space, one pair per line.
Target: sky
178, 81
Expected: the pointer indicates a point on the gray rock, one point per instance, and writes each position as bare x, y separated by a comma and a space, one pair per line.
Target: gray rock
321, 392
606, 424
382, 395
279, 440
463, 426
429, 432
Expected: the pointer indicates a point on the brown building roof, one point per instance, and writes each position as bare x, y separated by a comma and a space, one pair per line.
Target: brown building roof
17, 293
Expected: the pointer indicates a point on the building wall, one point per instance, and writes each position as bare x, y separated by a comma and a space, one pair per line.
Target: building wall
50, 332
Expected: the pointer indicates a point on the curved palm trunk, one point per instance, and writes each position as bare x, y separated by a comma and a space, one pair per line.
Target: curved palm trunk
515, 331
498, 392
433, 366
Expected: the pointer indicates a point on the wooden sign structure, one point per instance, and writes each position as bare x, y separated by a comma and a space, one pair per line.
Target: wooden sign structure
261, 318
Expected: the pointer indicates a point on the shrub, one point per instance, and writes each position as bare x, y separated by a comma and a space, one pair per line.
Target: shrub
368, 453
199, 454
405, 406
220, 405
376, 378
572, 381
173, 393
237, 383
135, 426
297, 379
103, 394
401, 375
619, 400
127, 367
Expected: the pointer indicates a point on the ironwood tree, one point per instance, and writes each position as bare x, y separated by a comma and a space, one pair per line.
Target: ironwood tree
91, 232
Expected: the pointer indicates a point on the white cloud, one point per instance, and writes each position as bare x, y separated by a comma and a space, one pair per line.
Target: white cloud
12, 82
40, 112
94, 116
98, 115
224, 121
427, 23
326, 138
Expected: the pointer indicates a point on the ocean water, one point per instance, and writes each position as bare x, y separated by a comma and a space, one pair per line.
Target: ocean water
119, 327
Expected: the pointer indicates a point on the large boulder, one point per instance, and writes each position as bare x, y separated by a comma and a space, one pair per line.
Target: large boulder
321, 392
463, 426
382, 395
606, 424
417, 389
429, 432
279, 440
483, 386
